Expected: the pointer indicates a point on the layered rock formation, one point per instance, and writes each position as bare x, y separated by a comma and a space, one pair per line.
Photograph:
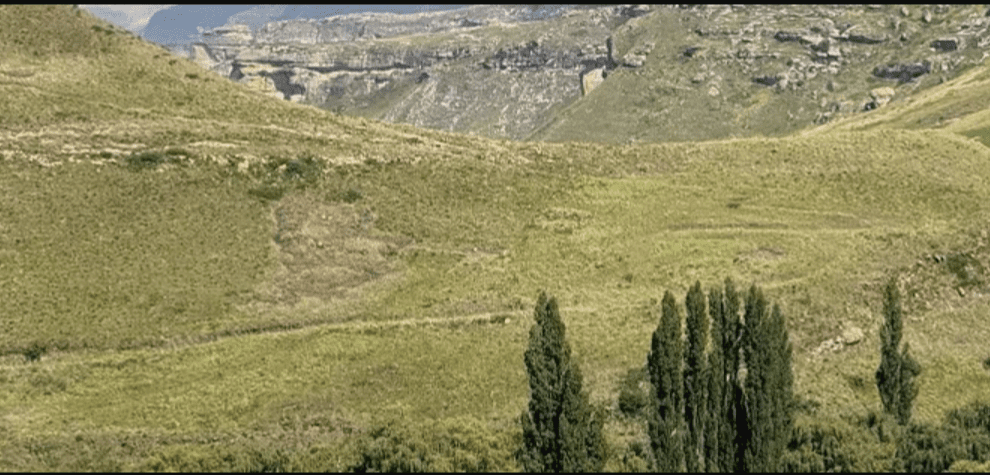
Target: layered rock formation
520, 72
455, 70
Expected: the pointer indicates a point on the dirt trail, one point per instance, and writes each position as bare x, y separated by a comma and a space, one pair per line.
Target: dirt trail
485, 317
497, 317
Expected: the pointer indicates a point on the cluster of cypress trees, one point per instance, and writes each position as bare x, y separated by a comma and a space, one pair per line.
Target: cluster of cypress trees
724, 402
722, 391
720, 403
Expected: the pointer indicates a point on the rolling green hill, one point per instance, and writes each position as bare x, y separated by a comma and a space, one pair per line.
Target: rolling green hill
196, 276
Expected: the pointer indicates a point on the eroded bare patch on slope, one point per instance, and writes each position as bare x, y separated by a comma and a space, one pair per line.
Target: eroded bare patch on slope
327, 251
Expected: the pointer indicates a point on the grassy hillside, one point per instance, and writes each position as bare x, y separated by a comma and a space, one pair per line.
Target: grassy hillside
959, 106
288, 288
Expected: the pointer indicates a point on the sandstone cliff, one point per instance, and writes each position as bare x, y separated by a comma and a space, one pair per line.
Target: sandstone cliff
659, 73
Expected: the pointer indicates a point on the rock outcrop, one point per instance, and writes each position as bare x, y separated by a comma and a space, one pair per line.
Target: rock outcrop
440, 69
507, 71
879, 98
903, 72
591, 80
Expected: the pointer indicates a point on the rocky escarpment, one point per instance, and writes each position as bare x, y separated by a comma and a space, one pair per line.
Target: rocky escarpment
493, 70
671, 72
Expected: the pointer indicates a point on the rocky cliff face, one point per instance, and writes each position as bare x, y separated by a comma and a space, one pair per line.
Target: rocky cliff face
520, 72
492, 70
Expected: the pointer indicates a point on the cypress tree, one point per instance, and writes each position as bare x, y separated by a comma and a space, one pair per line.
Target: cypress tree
897, 373
734, 430
582, 445
695, 397
782, 384
758, 402
768, 386
664, 366
560, 432
715, 414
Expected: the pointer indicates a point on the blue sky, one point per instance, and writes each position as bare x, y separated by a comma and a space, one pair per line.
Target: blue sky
136, 17
132, 17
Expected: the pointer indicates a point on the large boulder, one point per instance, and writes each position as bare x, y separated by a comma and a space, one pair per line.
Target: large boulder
852, 335
787, 36
633, 60
863, 38
766, 80
228, 34
879, 97
591, 80
903, 72
945, 45
634, 11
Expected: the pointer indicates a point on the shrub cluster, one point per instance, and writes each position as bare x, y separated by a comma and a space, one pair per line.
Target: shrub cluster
460, 445
279, 175
151, 159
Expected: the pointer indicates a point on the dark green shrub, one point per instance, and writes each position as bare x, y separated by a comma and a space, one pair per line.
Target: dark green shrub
278, 176
636, 458
967, 269
268, 192
304, 170
927, 448
633, 392
975, 415
459, 445
216, 458
351, 195
837, 445
35, 351
146, 160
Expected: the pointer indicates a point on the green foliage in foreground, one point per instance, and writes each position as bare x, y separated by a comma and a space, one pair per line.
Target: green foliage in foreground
666, 423
768, 384
896, 376
459, 445
561, 433
739, 419
695, 378
824, 443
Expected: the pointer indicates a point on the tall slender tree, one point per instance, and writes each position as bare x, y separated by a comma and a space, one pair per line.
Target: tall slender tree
666, 426
768, 385
715, 414
695, 397
757, 387
782, 387
560, 431
734, 429
897, 373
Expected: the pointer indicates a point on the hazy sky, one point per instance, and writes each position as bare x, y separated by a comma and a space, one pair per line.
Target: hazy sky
136, 17
132, 17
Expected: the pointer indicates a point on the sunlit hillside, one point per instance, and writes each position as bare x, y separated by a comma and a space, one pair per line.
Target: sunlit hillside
195, 276
959, 106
